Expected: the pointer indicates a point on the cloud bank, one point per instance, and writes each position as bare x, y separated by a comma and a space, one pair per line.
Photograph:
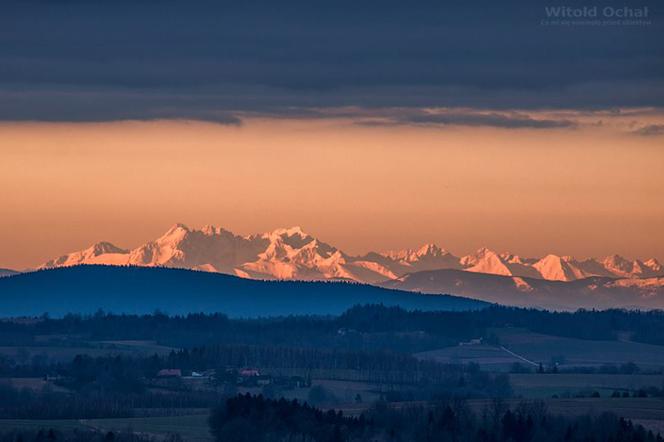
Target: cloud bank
216, 61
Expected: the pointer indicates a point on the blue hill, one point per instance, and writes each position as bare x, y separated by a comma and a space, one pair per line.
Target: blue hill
85, 289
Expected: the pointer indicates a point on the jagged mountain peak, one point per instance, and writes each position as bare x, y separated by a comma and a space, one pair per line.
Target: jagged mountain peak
177, 227
617, 260
619, 265
431, 249
102, 247
485, 251
557, 268
211, 230
653, 265
292, 253
486, 260
428, 250
289, 231
482, 253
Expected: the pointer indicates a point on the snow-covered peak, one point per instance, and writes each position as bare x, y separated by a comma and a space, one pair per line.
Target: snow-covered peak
177, 227
95, 254
555, 268
486, 261
616, 265
482, 253
430, 250
175, 234
618, 262
654, 265
292, 253
289, 231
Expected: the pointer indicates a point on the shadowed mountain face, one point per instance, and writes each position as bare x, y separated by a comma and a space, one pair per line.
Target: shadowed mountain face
85, 289
589, 293
294, 254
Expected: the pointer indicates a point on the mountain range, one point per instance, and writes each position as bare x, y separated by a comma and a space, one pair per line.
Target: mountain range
552, 281
595, 292
293, 254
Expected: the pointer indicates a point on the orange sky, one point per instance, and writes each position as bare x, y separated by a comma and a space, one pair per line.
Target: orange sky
588, 191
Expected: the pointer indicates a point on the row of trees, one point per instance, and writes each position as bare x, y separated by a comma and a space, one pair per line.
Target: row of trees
370, 366
362, 327
113, 386
256, 419
92, 404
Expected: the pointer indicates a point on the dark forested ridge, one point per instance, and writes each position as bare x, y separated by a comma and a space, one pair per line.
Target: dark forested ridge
256, 419
85, 289
367, 327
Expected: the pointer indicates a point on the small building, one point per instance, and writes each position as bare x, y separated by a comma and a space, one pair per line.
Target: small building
249, 372
169, 373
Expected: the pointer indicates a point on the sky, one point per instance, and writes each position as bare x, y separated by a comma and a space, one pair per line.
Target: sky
373, 125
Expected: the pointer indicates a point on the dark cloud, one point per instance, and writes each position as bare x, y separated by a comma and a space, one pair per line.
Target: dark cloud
108, 60
506, 121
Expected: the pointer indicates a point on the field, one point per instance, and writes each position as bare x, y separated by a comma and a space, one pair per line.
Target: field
545, 385
65, 353
348, 389
648, 412
34, 384
489, 357
577, 352
528, 348
191, 427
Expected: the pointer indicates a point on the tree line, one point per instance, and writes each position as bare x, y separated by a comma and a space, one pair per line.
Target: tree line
361, 327
256, 419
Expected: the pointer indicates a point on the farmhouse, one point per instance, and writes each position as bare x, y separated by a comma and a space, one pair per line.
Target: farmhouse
169, 373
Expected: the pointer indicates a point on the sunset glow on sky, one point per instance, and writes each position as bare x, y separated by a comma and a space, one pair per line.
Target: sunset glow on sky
587, 191
373, 125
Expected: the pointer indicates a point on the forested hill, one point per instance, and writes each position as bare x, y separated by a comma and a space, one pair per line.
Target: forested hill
85, 289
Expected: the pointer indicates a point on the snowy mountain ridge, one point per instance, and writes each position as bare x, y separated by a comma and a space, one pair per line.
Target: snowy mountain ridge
291, 253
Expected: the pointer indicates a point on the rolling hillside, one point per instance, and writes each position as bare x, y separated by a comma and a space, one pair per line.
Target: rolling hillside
85, 289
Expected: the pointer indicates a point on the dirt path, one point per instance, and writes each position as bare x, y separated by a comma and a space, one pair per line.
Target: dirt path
505, 349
